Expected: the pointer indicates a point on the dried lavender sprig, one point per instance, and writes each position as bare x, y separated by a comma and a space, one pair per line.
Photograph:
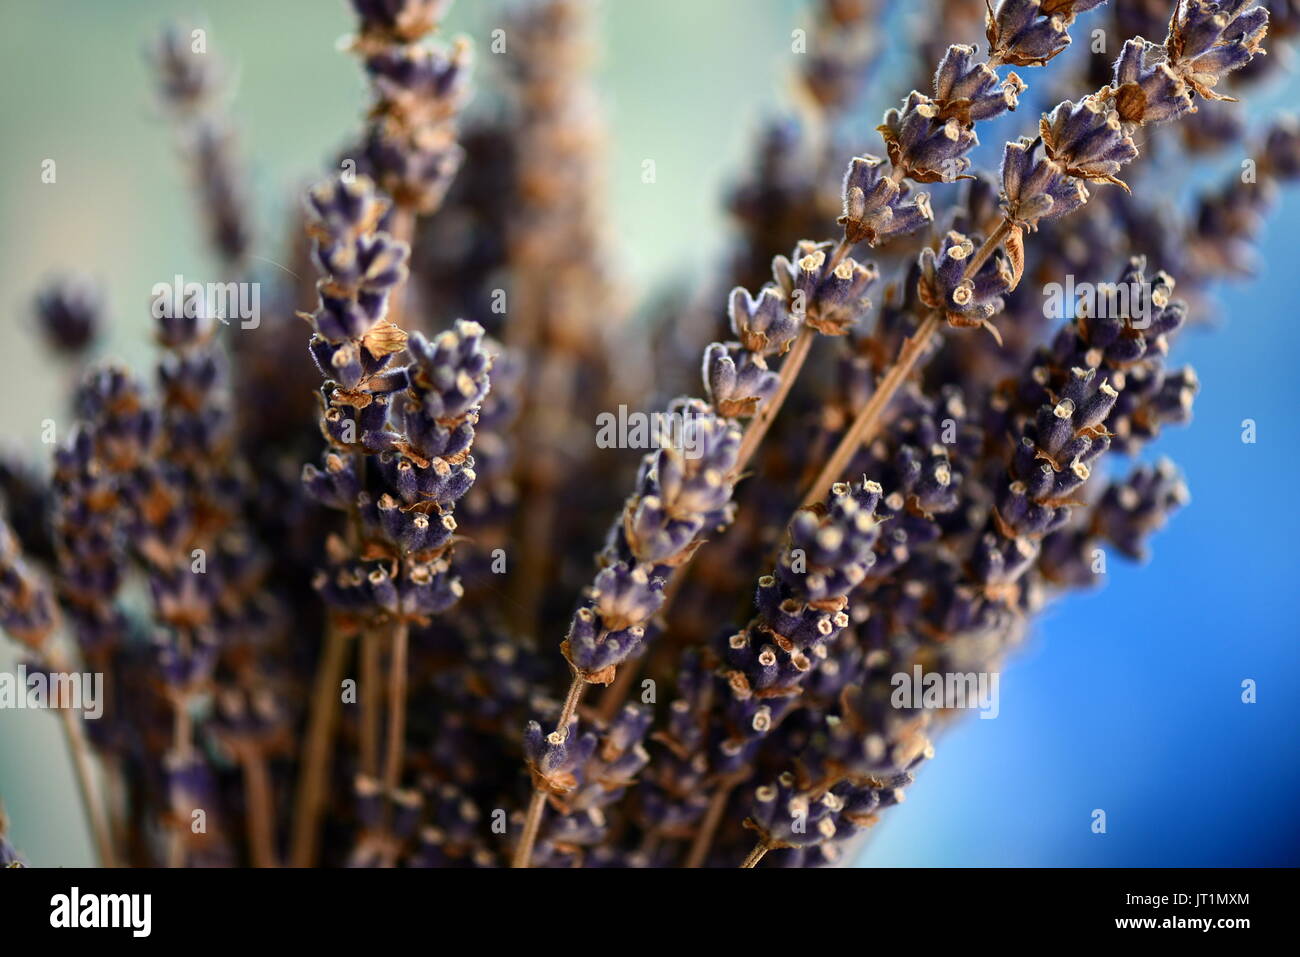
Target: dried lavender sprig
70, 314
418, 422
923, 482
927, 141
447, 382
854, 765
1087, 141
116, 430
418, 89
193, 497
801, 610
353, 345
191, 87
116, 433
583, 776
678, 499
29, 615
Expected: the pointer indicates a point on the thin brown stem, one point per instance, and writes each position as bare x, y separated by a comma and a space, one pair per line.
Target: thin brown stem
261, 809
182, 735
757, 854
870, 417
397, 668
371, 667
759, 424
115, 800
85, 774
176, 845
318, 750
788, 374
532, 821
182, 742
182, 725
986, 248
571, 701
709, 826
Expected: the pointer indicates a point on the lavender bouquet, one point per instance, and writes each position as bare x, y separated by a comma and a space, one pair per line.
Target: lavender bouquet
341, 570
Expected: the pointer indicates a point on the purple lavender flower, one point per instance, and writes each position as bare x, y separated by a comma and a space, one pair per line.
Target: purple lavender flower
965, 301
27, 610
361, 266
1035, 188
926, 145
830, 294
70, 312
971, 90
1132, 509
878, 209
1031, 32
736, 380
1147, 90
1210, 39
399, 20
1087, 140
765, 326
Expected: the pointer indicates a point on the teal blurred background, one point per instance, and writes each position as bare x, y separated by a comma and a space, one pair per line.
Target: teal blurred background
1127, 700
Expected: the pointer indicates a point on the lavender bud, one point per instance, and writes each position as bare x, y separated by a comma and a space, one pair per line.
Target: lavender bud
70, 312
877, 209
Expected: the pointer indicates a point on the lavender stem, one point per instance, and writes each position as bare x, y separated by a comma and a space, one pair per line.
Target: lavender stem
318, 750
757, 854
869, 419
76, 738
532, 821
397, 681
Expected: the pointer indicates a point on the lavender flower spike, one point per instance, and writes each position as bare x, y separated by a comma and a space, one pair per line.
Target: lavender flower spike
70, 312
964, 301
1148, 91
361, 267
1209, 39
1031, 32
876, 207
